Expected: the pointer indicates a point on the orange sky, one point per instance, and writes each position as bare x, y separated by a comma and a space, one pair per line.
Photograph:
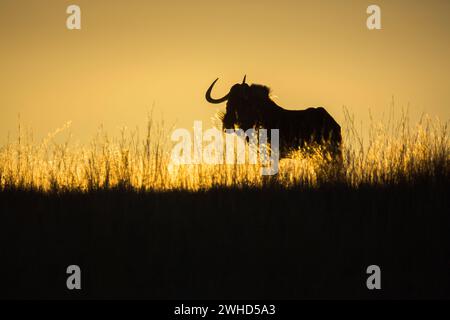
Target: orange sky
132, 54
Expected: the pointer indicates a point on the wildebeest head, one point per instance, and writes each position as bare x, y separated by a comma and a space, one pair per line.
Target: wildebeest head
242, 104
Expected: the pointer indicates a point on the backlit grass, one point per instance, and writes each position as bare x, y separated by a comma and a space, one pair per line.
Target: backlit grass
396, 151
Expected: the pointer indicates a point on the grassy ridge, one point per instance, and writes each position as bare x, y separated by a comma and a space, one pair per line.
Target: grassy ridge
228, 243
141, 229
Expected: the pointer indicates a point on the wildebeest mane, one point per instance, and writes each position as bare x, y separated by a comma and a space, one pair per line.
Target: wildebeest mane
260, 91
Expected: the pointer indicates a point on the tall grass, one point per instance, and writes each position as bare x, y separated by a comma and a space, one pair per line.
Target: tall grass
395, 152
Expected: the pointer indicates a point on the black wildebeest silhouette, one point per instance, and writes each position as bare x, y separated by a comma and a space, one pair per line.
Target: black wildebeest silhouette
250, 106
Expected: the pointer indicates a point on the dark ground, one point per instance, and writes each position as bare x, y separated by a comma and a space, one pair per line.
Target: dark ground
227, 243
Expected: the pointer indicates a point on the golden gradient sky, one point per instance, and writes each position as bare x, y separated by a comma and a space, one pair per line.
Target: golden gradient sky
132, 54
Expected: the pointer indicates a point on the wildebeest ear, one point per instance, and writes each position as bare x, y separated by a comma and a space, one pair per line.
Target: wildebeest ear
243, 81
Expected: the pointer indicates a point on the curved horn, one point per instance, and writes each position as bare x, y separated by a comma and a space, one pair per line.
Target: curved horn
212, 100
243, 81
